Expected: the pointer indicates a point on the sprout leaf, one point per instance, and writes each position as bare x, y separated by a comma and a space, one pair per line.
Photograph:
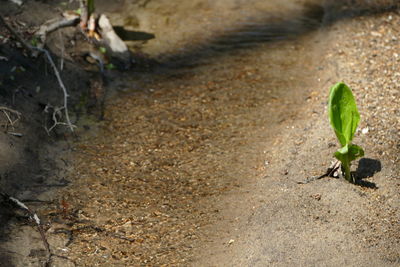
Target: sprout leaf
343, 113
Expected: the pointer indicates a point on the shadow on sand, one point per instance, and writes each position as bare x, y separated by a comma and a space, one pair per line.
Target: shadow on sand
367, 168
251, 35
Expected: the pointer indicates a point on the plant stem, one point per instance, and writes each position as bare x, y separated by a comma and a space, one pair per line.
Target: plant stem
347, 173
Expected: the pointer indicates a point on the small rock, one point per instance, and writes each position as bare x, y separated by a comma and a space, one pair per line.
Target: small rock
376, 34
316, 196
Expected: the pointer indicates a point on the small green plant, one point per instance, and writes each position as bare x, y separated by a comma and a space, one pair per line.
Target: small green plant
34, 41
102, 49
344, 118
110, 66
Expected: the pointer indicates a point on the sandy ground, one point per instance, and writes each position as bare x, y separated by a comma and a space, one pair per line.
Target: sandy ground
327, 222
198, 160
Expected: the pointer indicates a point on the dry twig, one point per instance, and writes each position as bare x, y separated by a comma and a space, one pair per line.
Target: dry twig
51, 26
64, 89
62, 51
6, 111
33, 216
56, 72
57, 112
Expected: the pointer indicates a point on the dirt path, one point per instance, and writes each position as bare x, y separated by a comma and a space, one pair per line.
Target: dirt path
211, 155
327, 222
198, 160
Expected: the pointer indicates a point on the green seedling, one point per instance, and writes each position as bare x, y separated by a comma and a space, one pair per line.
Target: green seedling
344, 118
110, 66
34, 41
102, 49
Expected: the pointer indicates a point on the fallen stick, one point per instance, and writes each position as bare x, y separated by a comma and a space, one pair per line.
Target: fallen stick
65, 22
53, 65
56, 111
15, 134
48, 27
11, 111
64, 89
62, 51
33, 216
11, 122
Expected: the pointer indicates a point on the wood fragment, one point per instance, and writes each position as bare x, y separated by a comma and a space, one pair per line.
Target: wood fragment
116, 48
53, 26
15, 134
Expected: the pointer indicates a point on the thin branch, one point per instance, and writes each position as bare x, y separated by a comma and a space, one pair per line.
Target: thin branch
11, 111
61, 83
56, 112
65, 22
15, 134
11, 122
49, 58
49, 27
33, 216
62, 51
